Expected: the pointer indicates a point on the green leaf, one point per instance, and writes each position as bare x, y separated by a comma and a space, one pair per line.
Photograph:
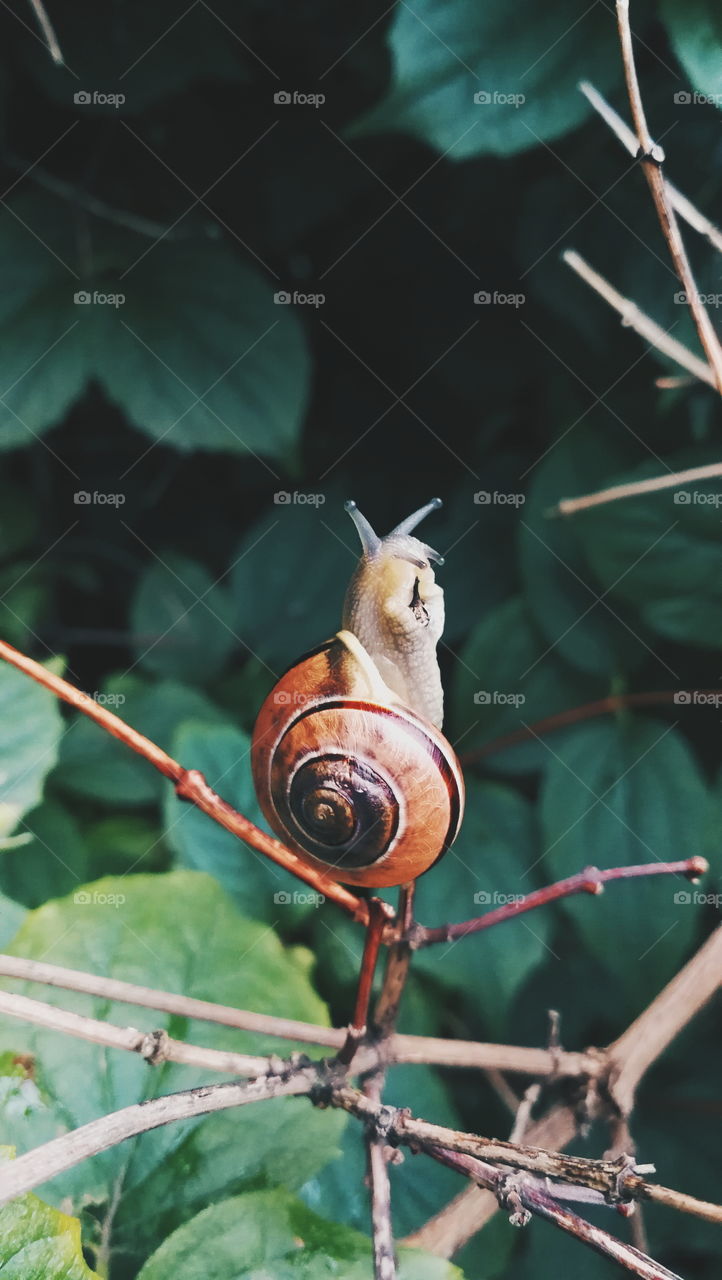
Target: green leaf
31, 729
509, 677
695, 33
176, 932
560, 589
290, 574
260, 888
618, 793
52, 860
188, 340
271, 1234
660, 554
95, 765
469, 81
181, 620
40, 1243
487, 867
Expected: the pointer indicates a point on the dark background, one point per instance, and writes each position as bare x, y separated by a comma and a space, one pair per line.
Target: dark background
183, 585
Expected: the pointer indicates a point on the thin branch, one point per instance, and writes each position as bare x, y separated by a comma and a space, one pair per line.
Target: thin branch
651, 158
399, 1048
634, 318
63, 1153
621, 129
154, 1046
567, 506
46, 27
650, 1034
639, 1046
189, 784
522, 1197
591, 880
601, 706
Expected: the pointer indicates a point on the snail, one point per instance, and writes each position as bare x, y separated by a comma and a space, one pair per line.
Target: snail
349, 763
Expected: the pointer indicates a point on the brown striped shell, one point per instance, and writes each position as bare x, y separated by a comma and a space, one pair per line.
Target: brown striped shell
348, 776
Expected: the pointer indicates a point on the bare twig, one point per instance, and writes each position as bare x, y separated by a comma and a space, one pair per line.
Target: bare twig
651, 157
634, 318
621, 129
46, 27
639, 1046
573, 715
189, 784
591, 880
567, 506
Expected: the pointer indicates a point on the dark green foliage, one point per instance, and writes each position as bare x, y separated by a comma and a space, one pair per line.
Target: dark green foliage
221, 313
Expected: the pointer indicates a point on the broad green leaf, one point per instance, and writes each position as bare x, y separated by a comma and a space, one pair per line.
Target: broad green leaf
509, 677
96, 765
181, 620
271, 1234
290, 574
185, 338
492, 862
31, 729
40, 1243
469, 81
177, 932
262, 890
619, 792
52, 860
695, 32
660, 554
560, 590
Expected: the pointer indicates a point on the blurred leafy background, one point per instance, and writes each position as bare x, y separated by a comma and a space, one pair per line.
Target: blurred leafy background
174, 462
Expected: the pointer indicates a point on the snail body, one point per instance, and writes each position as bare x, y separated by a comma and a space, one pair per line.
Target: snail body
349, 763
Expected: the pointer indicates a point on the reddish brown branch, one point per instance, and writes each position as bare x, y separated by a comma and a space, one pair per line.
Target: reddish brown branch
591, 880
189, 784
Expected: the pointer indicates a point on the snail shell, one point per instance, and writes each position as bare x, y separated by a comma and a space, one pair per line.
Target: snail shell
349, 763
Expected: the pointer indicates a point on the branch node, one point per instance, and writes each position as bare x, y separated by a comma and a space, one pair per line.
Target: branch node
509, 1195
653, 153
154, 1047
